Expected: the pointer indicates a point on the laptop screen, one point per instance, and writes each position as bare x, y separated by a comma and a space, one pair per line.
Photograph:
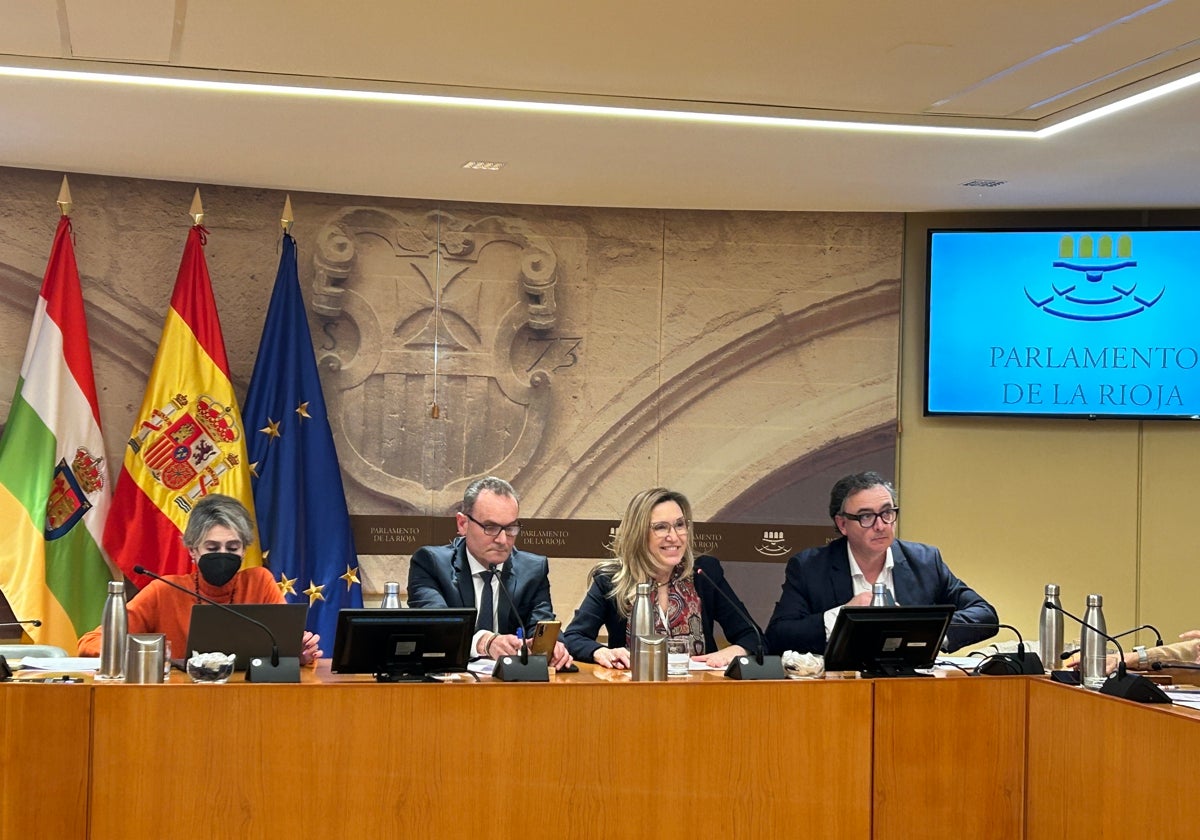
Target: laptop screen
217, 630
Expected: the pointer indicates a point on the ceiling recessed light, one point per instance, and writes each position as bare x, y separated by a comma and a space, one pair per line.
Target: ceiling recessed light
485, 165
983, 182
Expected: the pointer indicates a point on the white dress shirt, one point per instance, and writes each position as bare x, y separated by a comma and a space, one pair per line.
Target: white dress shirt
860, 583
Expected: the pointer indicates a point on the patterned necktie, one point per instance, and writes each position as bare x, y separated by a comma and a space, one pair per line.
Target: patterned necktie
487, 607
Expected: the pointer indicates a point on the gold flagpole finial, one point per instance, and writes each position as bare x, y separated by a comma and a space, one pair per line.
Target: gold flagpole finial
197, 209
64, 198
288, 218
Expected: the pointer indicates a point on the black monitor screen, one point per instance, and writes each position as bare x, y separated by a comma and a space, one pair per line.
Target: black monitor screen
887, 641
402, 644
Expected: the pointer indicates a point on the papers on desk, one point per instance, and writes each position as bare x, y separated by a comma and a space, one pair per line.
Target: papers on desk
1187, 698
61, 664
968, 662
481, 666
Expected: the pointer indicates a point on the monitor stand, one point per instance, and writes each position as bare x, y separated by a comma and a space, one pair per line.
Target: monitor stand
403, 676
890, 669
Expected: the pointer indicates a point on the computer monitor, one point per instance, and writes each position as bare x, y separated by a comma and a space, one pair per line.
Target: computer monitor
887, 641
402, 644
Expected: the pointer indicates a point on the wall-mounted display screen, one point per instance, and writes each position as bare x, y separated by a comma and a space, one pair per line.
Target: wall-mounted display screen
1064, 323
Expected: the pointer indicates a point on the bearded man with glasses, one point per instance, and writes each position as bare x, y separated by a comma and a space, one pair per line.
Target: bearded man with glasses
483, 557
818, 582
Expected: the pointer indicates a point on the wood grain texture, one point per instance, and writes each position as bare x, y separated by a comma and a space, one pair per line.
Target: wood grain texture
45, 760
578, 758
1106, 768
950, 752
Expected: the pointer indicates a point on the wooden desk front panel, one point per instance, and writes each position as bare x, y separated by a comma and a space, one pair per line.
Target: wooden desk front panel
950, 752
1106, 768
579, 758
45, 744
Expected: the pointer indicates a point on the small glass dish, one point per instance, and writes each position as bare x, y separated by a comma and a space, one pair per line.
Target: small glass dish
211, 668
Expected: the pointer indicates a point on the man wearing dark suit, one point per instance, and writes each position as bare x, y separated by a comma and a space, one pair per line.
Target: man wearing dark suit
818, 582
469, 572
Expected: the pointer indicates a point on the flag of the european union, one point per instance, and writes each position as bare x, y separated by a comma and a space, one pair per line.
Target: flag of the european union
302, 517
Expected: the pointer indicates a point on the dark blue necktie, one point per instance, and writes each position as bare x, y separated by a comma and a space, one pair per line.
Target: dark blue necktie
487, 608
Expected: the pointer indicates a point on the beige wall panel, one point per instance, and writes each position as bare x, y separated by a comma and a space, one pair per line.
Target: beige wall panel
1171, 454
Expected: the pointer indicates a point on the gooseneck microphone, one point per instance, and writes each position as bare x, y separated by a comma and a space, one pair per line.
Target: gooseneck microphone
1021, 662
1158, 639
1174, 666
1120, 683
281, 669
525, 667
36, 622
756, 667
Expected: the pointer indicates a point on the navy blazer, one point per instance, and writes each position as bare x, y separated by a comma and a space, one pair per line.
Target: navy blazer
599, 610
440, 576
818, 579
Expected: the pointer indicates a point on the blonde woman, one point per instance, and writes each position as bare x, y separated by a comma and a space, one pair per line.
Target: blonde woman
654, 545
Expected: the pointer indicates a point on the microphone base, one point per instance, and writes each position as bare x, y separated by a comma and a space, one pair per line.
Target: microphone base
5, 670
1028, 663
1135, 688
260, 670
512, 669
748, 668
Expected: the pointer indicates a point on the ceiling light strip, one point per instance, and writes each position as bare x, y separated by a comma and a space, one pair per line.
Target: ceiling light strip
577, 109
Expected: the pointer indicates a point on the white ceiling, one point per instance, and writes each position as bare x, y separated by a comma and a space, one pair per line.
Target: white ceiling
1020, 64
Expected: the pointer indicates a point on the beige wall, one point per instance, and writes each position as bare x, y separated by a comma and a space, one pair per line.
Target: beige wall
1014, 504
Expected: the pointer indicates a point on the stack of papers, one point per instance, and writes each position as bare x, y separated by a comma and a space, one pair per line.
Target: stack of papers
61, 664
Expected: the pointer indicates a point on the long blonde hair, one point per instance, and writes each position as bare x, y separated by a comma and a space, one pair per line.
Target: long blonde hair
633, 563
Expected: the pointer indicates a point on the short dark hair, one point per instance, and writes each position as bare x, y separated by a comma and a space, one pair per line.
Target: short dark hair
496, 485
851, 484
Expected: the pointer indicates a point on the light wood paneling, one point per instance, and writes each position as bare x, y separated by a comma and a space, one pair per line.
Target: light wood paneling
45, 760
1106, 768
576, 759
941, 744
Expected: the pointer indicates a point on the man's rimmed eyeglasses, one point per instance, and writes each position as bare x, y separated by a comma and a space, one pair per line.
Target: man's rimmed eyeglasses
867, 520
511, 530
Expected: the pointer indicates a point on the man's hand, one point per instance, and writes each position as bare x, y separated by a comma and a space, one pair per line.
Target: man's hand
499, 645
559, 658
862, 599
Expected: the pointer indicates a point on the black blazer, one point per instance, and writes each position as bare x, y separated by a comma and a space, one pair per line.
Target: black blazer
599, 610
818, 579
440, 576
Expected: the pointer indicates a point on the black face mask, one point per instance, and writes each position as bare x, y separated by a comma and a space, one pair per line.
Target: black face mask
218, 568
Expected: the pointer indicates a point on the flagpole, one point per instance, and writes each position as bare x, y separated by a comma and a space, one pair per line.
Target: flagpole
197, 209
288, 218
64, 198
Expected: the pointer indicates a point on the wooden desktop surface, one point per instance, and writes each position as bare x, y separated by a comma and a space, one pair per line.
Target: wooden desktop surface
1002, 757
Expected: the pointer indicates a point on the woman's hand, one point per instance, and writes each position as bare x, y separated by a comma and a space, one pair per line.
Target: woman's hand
310, 651
612, 657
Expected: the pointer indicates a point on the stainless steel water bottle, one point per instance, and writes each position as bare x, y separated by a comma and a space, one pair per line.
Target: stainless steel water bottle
391, 596
114, 633
880, 596
1050, 630
641, 621
1092, 645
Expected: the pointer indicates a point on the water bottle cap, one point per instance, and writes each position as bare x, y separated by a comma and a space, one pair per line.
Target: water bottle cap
643, 589
1095, 601
116, 587
878, 588
1051, 588
391, 587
